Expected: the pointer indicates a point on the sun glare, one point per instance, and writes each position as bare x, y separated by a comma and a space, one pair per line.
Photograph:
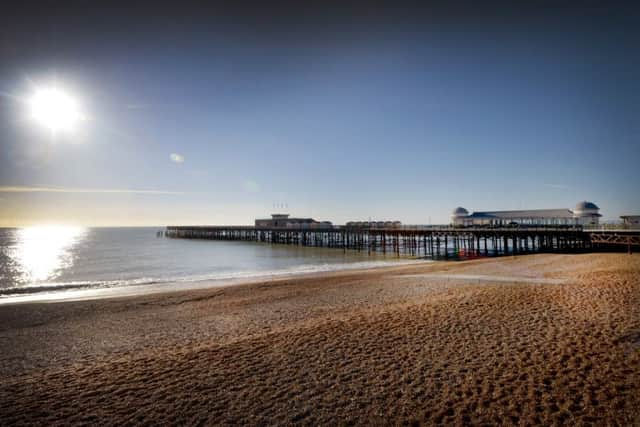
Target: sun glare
55, 110
42, 251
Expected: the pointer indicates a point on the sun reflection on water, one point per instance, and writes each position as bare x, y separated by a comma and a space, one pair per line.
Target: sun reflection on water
41, 252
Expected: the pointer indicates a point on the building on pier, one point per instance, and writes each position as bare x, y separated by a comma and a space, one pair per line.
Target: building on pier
633, 220
584, 213
373, 224
285, 221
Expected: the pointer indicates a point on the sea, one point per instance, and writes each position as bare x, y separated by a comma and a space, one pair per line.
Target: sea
51, 263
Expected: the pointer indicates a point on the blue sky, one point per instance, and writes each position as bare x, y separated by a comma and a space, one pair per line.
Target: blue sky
404, 122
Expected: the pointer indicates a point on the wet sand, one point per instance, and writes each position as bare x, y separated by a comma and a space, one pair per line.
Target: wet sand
539, 339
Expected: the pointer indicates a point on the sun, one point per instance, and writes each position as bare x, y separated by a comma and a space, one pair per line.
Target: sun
55, 109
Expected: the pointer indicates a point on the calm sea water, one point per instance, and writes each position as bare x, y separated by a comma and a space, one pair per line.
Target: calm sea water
70, 262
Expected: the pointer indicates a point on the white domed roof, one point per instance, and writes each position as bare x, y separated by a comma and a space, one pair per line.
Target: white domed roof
584, 206
460, 211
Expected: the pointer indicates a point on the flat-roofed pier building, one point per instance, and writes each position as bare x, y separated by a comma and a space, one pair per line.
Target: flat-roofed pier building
285, 221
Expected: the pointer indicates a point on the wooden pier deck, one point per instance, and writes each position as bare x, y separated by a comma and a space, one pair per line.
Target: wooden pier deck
424, 241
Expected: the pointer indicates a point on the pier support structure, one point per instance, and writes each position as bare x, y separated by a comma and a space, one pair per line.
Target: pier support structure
420, 242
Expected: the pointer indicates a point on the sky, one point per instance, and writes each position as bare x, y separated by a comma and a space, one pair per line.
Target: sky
222, 113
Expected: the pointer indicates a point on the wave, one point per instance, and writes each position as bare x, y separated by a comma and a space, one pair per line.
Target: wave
67, 286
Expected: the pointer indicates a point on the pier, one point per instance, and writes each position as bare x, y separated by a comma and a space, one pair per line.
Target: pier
424, 241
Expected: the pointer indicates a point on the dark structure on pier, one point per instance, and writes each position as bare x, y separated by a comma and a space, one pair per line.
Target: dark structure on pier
423, 241
285, 221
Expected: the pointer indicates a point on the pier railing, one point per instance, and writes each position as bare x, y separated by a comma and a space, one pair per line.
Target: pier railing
613, 227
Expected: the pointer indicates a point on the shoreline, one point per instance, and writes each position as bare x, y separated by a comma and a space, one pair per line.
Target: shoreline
171, 286
555, 341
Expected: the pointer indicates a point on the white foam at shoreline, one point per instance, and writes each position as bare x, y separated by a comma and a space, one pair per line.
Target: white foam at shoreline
78, 291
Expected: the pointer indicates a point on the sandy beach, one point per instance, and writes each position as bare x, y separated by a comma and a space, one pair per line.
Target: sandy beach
539, 339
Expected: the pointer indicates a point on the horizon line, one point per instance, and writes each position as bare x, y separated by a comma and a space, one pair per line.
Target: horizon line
35, 189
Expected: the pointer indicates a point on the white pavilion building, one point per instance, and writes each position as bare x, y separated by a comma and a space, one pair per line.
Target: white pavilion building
584, 213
